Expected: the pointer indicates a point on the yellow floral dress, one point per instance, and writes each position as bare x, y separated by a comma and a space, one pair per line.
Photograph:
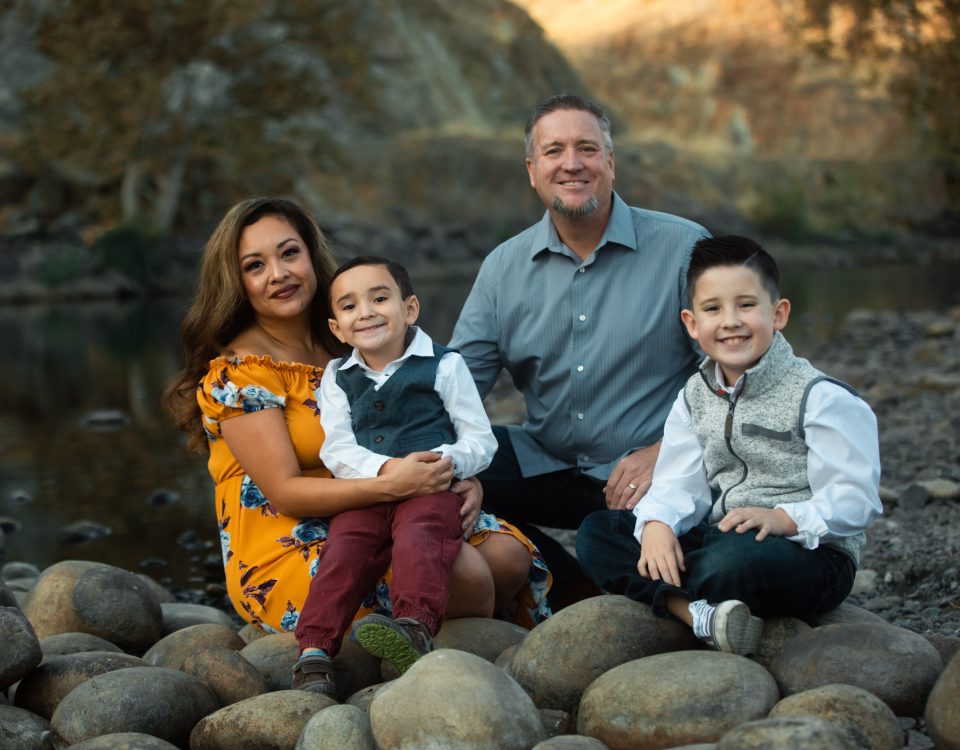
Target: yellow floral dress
269, 558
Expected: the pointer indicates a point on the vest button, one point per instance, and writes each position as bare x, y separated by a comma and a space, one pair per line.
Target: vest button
378, 405
378, 439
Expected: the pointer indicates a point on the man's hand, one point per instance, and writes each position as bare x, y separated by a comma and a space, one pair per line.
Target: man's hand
631, 478
769, 521
661, 557
472, 493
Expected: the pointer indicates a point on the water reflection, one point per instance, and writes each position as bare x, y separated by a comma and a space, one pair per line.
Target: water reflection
63, 362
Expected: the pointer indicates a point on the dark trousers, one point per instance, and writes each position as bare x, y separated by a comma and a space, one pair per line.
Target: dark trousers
775, 577
560, 500
420, 538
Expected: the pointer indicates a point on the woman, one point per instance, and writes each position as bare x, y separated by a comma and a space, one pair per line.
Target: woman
255, 341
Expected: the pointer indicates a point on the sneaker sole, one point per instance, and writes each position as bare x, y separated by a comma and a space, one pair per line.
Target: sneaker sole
742, 630
388, 642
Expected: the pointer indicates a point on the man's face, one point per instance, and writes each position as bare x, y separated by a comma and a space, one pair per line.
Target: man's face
571, 169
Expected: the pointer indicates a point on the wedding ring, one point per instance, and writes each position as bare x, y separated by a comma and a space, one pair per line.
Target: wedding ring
632, 486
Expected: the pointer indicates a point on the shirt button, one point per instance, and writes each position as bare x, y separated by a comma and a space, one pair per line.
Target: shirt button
580, 415
378, 405
581, 270
579, 368
378, 439
583, 317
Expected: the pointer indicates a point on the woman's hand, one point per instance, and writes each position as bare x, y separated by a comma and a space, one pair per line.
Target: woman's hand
472, 493
421, 473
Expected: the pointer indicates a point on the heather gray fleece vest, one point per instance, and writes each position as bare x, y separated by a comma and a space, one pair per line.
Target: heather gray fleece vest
754, 450
406, 414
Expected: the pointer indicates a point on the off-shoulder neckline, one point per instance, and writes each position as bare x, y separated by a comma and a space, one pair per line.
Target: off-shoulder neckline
264, 360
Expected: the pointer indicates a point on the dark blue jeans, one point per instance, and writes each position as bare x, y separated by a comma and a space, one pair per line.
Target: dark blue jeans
775, 577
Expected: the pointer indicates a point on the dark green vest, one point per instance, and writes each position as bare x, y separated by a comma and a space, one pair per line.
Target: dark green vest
406, 414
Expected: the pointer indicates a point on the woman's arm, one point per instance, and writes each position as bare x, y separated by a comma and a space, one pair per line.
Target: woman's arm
261, 444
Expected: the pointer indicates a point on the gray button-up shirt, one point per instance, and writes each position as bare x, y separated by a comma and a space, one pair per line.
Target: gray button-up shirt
596, 347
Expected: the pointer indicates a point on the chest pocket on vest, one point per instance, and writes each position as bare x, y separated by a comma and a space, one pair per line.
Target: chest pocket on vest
755, 430
423, 441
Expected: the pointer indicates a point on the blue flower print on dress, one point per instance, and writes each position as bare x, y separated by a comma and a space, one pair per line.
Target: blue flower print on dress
289, 620
249, 398
252, 497
314, 565
311, 529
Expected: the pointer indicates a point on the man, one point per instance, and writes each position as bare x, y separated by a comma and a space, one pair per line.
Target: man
583, 310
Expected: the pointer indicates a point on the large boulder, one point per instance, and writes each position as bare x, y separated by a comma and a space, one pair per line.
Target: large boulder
861, 718
943, 708
161, 702
482, 636
457, 701
895, 664
675, 699
42, 690
340, 727
271, 721
20, 729
561, 656
87, 597
21, 650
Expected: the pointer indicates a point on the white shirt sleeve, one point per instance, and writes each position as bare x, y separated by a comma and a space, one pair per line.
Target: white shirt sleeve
475, 445
843, 467
679, 495
340, 452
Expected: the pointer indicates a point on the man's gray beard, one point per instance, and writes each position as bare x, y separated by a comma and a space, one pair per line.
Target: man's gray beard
575, 212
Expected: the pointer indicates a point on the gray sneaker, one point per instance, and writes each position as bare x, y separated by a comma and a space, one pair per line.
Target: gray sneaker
400, 642
315, 674
733, 629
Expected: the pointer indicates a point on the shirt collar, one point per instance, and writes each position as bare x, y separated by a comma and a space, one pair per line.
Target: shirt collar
619, 230
421, 345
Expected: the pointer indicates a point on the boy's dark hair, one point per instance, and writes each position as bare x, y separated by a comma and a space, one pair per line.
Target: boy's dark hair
732, 250
399, 273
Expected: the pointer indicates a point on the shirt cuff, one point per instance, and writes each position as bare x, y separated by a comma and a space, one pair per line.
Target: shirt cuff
810, 527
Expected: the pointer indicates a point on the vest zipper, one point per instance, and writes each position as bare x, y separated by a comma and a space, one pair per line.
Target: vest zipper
727, 433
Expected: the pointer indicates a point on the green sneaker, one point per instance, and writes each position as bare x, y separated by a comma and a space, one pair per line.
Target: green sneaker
400, 642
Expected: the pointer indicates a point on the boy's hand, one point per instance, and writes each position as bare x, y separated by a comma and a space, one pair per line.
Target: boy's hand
472, 494
660, 555
768, 522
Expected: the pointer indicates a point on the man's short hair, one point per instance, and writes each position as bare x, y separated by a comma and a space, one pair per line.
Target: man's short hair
732, 250
399, 273
566, 101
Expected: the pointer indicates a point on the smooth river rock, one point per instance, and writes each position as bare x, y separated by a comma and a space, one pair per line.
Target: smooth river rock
674, 699
860, 718
171, 650
42, 690
273, 721
482, 636
87, 597
161, 702
339, 727
62, 644
895, 664
231, 677
20, 649
784, 733
124, 741
20, 729
561, 656
943, 708
177, 615
456, 701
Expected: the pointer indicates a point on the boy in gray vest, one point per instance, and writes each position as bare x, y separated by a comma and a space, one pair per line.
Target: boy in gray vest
397, 393
767, 477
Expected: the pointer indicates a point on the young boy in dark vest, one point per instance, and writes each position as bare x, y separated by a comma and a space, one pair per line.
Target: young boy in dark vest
397, 393
767, 477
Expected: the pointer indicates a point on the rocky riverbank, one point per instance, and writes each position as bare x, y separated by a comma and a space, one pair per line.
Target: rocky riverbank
97, 657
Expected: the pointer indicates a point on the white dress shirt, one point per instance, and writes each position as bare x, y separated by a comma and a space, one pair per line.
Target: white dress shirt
475, 445
843, 469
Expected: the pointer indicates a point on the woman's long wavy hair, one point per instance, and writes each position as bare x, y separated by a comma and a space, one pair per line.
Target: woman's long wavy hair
221, 311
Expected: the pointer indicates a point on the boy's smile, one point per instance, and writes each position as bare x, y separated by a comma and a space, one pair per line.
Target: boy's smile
371, 315
734, 318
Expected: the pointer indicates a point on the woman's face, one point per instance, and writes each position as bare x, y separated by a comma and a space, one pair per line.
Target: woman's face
275, 269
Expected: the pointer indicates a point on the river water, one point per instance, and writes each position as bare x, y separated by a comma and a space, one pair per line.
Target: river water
61, 363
